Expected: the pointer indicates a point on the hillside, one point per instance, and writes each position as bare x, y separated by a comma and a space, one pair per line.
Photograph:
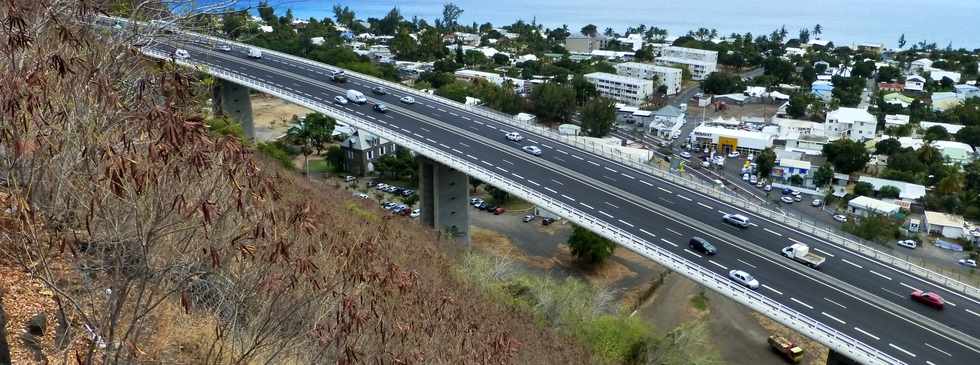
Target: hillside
142, 238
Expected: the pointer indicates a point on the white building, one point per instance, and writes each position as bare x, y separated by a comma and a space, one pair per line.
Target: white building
938, 75
627, 90
669, 76
915, 83
851, 123
920, 65
865, 206
667, 121
946, 225
700, 62
907, 191
726, 140
896, 120
950, 128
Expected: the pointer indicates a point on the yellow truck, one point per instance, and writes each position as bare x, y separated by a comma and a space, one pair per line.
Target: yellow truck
787, 348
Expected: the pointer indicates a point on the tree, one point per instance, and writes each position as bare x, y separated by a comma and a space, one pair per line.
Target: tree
311, 134
389, 24
335, 156
796, 180
553, 102
804, 35
889, 74
598, 116
889, 191
888, 147
501, 59
404, 46
765, 161
901, 41
267, 13
798, 104
936, 133
475, 184
450, 14
589, 247
817, 30
343, 15
584, 90
456, 90
499, 196
234, 23
590, 30
846, 156
969, 135
722, 83
864, 189
823, 176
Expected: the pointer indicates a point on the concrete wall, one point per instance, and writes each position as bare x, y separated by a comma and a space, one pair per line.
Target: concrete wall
444, 198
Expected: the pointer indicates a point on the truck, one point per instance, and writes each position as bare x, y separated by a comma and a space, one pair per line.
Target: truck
254, 52
356, 96
801, 253
787, 348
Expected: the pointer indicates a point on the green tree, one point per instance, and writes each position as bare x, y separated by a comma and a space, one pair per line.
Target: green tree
404, 46
846, 156
311, 134
584, 90
888, 147
901, 41
722, 83
389, 24
499, 196
798, 104
936, 133
343, 15
226, 126
823, 176
590, 30
335, 156
598, 116
553, 102
501, 59
765, 161
234, 23
864, 189
889, 74
589, 247
889, 191
796, 180
267, 13
457, 90
969, 135
450, 14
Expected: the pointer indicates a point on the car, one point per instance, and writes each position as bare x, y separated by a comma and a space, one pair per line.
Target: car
754, 180
362, 195
481, 206
816, 202
705, 163
547, 221
528, 218
760, 184
340, 100
685, 154
534, 150
349, 178
223, 48
475, 201
407, 100
968, 262
797, 198
379, 90
928, 298
745, 177
701, 245
840, 218
181, 54
787, 199
796, 193
499, 211
407, 192
416, 213
490, 208
767, 187
514, 136
744, 278
736, 220
380, 186
380, 108
733, 154
908, 244
750, 157
787, 191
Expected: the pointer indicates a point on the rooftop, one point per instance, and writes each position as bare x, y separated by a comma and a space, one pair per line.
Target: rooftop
907, 190
845, 115
875, 205
943, 219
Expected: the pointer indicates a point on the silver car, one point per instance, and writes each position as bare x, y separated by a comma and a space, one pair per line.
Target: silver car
408, 100
534, 150
744, 278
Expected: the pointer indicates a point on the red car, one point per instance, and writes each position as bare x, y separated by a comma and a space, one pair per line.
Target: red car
928, 298
499, 211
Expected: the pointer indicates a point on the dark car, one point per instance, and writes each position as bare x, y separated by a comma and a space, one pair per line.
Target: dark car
380, 108
928, 298
701, 245
379, 90
490, 208
547, 221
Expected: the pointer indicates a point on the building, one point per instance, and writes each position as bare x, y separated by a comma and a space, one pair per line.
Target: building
624, 89
920, 65
633, 115
896, 120
569, 130
822, 89
891, 86
942, 101
580, 43
667, 121
786, 168
667, 76
898, 99
907, 191
938, 75
519, 86
950, 128
726, 140
361, 148
965, 91
915, 83
946, 225
700, 62
865, 206
956, 153
851, 123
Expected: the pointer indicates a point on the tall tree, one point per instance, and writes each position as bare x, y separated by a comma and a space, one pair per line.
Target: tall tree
343, 15
450, 15
553, 102
590, 30
267, 13
589, 247
823, 176
818, 30
804, 35
311, 134
765, 161
901, 41
847, 156
598, 116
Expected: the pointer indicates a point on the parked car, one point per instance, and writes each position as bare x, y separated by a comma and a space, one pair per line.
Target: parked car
744, 278
787, 191
736, 220
745, 177
416, 213
379, 90
840, 218
499, 211
767, 188
475, 201
528, 218
380, 108
797, 198
928, 298
514, 136
490, 208
534, 150
181, 54
787, 199
968, 262
340, 100
816, 202
754, 180
702, 245
685, 154
733, 154
349, 178
547, 221
362, 195
407, 100
908, 244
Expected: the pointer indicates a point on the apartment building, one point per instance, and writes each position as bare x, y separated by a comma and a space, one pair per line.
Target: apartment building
579, 43
700, 62
627, 90
851, 123
669, 76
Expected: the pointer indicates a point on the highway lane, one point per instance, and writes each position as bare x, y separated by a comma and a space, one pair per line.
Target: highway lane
572, 187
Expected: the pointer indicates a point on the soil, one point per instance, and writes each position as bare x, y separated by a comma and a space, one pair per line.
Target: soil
271, 116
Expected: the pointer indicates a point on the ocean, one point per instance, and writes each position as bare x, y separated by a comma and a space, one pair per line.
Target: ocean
843, 21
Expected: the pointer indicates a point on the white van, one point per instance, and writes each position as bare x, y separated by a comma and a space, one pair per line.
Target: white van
356, 96
254, 52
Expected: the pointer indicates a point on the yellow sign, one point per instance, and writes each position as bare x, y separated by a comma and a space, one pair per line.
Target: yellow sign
727, 143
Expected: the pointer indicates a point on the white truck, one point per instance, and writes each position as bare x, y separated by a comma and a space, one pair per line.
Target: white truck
254, 52
356, 96
801, 253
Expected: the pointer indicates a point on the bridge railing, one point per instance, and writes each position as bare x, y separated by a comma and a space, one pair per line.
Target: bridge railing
827, 335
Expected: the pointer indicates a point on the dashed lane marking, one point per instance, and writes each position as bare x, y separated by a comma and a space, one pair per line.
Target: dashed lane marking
646, 183
938, 349
882, 276
535, 184
645, 231
669, 243
612, 205
746, 263
611, 170
626, 223
773, 232
665, 190
852, 264
517, 176
866, 333
459, 152
593, 163
684, 197
628, 177
501, 169
828, 254
551, 190
801, 302
486, 163
705, 205
471, 156
838, 304
691, 252
901, 349
673, 231
568, 197
832, 317
586, 205
771, 289
606, 214
717, 264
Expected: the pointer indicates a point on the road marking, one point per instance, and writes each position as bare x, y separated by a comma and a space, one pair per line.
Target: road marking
673, 231
670, 243
606, 214
838, 304
972, 312
476, 121
568, 197
576, 156
665, 190
557, 182
691, 252
406, 130
417, 135
506, 161
535, 184
746, 263
771, 289
468, 118
559, 159
501, 169
937, 349
486, 163
551, 190
563, 152
705, 205
866, 333
828, 254
593, 163
613, 171
628, 177
853, 264
469, 155
464, 145
801, 303
773, 232
611, 205
832, 317
440, 109
444, 146
950, 303
717, 264
684, 197
547, 146
645, 231
431, 140
453, 114
626, 223
646, 183
901, 349
587, 206
876, 273
907, 286
425, 129
517, 176
492, 127
893, 293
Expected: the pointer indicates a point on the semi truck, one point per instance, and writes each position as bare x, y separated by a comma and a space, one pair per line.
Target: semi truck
787, 348
801, 253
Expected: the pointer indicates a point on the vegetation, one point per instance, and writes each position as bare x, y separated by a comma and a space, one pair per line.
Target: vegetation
722, 83
876, 228
598, 116
765, 161
398, 165
846, 156
590, 247
553, 103
823, 176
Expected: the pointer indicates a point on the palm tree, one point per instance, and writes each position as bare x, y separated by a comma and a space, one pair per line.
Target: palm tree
311, 134
817, 31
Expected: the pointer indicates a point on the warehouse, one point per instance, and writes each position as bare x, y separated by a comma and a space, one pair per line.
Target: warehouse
726, 140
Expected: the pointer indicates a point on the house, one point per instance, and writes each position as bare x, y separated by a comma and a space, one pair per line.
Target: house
950, 128
898, 99
865, 206
891, 86
822, 89
907, 191
915, 83
851, 123
896, 120
633, 115
938, 75
266, 28
965, 91
920, 65
726, 140
793, 51
942, 101
361, 148
317, 41
667, 121
820, 43
580, 43
956, 153
946, 225
786, 168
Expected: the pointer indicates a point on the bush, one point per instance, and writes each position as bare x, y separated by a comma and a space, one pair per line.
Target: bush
279, 152
876, 228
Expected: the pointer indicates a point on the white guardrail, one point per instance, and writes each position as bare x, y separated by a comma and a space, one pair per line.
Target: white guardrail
613, 153
829, 336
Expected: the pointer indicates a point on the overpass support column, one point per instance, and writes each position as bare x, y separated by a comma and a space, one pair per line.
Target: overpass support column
444, 198
233, 100
836, 358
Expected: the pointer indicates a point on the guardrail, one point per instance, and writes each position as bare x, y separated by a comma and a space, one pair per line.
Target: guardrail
827, 335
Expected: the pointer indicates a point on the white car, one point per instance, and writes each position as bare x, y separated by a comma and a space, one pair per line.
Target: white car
767, 188
816, 202
408, 100
705, 163
415, 213
908, 244
840, 218
534, 150
744, 278
685, 154
362, 195
968, 262
514, 136
745, 177
787, 199
734, 154
223, 48
340, 100
181, 54
753, 179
